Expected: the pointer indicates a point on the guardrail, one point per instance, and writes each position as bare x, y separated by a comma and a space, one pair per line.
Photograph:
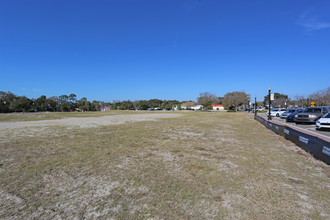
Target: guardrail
319, 148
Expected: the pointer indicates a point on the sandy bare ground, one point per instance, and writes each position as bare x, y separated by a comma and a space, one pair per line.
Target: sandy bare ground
200, 166
87, 122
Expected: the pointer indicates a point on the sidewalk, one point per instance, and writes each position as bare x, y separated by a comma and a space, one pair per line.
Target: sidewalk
323, 137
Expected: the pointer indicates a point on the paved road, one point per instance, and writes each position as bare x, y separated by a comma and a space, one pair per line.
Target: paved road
308, 127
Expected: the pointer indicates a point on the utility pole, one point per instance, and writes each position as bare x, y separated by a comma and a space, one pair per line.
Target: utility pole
269, 117
255, 105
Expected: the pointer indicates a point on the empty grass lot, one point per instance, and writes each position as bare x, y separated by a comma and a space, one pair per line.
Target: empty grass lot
200, 165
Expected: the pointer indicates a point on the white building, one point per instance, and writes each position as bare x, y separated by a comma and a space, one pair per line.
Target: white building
197, 107
218, 107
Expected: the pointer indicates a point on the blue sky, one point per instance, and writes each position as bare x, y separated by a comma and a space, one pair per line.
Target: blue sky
166, 49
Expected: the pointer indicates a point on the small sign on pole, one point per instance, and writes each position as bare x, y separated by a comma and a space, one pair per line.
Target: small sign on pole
272, 97
312, 104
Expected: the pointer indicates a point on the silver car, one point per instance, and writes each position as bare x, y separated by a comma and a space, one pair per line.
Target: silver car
288, 112
311, 114
276, 112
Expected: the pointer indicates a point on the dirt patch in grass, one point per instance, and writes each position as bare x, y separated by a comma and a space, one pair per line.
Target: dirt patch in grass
199, 166
41, 116
87, 122
53, 128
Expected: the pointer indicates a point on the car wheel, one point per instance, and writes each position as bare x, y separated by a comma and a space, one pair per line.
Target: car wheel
277, 115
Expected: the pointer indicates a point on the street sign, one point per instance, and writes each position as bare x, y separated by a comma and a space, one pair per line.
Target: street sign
312, 104
272, 97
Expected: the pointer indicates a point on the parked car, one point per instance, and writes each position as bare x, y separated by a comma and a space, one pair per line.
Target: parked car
290, 117
288, 112
311, 114
323, 122
272, 110
276, 112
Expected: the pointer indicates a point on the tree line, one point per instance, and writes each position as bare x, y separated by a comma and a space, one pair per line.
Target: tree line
239, 99
320, 98
10, 102
231, 100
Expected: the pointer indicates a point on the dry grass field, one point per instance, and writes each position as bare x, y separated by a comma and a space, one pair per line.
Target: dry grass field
120, 165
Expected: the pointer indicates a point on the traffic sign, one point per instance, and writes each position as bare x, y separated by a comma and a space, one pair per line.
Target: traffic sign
312, 104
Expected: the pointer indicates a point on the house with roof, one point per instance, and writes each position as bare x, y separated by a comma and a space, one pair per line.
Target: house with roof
218, 107
105, 108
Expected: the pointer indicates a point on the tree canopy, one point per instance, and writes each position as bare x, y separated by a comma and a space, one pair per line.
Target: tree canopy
321, 97
279, 99
206, 99
236, 99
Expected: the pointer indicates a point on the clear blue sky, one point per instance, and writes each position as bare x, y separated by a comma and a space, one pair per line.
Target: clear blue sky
166, 49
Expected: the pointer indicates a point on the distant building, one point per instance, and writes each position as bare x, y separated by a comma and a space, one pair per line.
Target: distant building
218, 107
197, 107
105, 108
188, 105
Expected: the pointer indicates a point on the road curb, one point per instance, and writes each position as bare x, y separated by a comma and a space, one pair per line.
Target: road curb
323, 137
314, 144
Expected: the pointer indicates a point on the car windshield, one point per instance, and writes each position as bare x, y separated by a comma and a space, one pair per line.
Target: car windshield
313, 110
326, 116
291, 110
297, 112
274, 109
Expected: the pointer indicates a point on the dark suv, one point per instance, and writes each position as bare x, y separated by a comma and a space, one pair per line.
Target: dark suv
311, 114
